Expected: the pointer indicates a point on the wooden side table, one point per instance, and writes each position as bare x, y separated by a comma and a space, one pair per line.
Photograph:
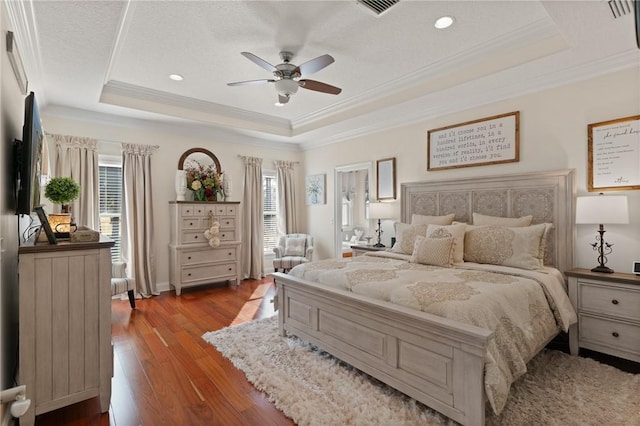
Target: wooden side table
360, 249
608, 308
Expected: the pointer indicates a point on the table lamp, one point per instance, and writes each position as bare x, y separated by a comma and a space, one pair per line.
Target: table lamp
609, 209
380, 211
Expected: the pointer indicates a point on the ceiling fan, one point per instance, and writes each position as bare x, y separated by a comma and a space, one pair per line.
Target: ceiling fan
287, 76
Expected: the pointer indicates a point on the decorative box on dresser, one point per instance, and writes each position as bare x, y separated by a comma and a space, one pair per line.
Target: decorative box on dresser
608, 308
192, 260
66, 355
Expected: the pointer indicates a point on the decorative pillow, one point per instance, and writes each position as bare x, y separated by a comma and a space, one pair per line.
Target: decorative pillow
433, 251
512, 222
406, 236
420, 219
454, 231
499, 245
295, 246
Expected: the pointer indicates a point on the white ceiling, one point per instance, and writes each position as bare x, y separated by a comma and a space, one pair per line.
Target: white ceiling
115, 57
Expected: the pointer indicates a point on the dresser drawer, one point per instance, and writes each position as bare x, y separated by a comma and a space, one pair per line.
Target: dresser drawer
190, 237
209, 272
186, 210
207, 256
227, 222
610, 333
622, 303
225, 235
193, 223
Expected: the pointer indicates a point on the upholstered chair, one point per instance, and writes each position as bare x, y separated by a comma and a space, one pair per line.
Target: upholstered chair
121, 284
292, 250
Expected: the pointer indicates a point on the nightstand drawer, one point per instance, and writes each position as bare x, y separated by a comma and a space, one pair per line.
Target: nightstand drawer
622, 303
610, 333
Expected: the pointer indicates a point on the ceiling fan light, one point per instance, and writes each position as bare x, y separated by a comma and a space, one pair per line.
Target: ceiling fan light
286, 87
176, 77
443, 22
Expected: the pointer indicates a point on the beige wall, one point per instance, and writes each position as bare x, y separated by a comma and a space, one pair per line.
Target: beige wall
553, 135
172, 144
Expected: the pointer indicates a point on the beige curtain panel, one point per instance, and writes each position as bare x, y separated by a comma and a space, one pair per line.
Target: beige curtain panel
252, 216
287, 222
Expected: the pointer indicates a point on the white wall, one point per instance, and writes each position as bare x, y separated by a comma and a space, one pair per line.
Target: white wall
553, 135
172, 144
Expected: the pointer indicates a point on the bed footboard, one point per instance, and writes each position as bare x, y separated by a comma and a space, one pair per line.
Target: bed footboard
436, 361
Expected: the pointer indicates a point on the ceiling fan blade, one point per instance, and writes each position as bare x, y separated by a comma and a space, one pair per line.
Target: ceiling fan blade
319, 87
264, 64
282, 99
250, 82
314, 65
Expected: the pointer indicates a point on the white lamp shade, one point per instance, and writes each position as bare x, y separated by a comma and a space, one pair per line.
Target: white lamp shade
602, 209
382, 210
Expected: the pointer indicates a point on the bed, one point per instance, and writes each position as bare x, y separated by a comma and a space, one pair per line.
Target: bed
437, 360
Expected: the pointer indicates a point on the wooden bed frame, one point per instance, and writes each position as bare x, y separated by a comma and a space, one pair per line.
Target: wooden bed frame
436, 361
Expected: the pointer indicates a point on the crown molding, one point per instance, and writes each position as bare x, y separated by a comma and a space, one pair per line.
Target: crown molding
132, 96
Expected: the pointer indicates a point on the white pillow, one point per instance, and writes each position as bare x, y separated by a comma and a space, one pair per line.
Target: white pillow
433, 251
512, 222
519, 247
420, 219
295, 246
454, 231
406, 236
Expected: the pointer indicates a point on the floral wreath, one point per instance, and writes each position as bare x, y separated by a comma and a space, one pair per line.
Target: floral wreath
212, 232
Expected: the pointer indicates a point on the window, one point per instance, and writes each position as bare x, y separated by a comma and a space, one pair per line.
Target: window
110, 188
270, 220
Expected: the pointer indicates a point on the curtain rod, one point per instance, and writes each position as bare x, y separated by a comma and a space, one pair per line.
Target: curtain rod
246, 156
100, 140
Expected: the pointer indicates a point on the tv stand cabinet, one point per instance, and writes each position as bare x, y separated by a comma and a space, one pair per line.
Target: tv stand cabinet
65, 324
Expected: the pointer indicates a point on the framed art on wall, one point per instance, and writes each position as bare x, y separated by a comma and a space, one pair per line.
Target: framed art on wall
315, 189
490, 140
614, 154
386, 174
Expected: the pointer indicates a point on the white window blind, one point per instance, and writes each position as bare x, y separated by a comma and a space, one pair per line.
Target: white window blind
110, 184
270, 225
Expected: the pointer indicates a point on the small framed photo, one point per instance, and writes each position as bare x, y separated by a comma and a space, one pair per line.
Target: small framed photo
44, 221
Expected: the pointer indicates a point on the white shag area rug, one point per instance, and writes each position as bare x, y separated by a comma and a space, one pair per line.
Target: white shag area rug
313, 388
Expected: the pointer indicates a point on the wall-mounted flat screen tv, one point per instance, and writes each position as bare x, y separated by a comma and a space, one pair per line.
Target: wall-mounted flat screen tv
29, 159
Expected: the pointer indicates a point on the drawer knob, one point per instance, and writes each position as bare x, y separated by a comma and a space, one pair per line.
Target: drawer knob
230, 253
615, 302
231, 268
615, 334
189, 274
196, 237
190, 223
189, 257
222, 235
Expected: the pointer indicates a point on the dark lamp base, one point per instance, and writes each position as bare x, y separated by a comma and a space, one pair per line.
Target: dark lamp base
379, 245
603, 269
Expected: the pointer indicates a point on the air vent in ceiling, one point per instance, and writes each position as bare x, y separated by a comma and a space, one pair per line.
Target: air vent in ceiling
378, 6
620, 7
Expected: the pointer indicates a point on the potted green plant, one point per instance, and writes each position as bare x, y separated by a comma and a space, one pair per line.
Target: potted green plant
62, 190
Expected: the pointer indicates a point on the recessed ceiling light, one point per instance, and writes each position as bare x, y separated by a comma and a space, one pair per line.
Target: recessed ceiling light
443, 22
176, 77
278, 104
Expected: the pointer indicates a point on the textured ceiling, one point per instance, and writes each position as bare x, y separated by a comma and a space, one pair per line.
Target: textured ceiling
115, 57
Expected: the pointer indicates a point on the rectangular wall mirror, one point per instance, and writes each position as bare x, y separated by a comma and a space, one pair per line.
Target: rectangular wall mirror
386, 174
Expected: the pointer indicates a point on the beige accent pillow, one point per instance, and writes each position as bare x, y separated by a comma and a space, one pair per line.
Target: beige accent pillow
433, 251
420, 219
295, 246
454, 231
512, 222
517, 247
406, 237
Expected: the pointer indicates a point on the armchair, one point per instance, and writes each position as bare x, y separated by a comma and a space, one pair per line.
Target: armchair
292, 250
121, 284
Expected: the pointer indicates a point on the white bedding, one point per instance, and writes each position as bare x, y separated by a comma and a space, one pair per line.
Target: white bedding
523, 308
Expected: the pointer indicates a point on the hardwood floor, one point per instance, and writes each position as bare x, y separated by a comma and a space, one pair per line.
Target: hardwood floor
166, 374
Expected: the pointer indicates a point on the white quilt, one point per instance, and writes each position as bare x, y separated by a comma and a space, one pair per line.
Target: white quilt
523, 308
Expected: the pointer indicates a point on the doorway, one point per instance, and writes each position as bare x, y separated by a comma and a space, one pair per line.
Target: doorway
352, 195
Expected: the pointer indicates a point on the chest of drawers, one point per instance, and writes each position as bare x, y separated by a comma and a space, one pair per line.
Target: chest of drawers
192, 261
608, 308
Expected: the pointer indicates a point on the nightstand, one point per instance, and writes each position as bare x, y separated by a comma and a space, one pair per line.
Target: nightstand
359, 250
608, 308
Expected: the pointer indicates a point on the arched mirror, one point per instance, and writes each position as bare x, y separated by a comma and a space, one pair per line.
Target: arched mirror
201, 156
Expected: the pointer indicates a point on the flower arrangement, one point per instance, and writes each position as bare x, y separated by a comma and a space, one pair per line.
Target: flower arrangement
62, 190
212, 232
204, 181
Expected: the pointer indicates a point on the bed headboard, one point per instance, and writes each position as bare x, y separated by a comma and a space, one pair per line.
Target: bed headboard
548, 196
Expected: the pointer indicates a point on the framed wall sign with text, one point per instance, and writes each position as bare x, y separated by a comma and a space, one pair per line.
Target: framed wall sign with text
614, 154
490, 140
